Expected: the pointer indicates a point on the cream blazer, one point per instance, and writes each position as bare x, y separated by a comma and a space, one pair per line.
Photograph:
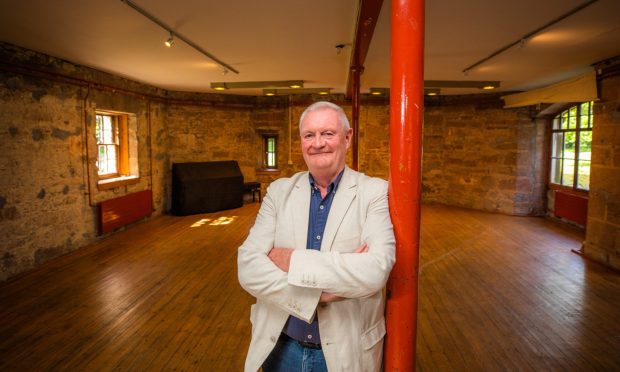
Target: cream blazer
352, 330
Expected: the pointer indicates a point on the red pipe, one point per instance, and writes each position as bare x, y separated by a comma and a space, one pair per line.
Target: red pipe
355, 113
406, 119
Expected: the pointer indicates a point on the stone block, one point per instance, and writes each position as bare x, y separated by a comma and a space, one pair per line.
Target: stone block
597, 205
600, 234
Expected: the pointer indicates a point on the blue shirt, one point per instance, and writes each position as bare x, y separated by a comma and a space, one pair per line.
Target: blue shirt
319, 210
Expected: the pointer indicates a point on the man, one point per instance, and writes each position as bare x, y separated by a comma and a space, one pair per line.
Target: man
317, 259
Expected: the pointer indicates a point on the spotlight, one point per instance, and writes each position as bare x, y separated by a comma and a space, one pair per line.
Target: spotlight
219, 86
170, 41
379, 91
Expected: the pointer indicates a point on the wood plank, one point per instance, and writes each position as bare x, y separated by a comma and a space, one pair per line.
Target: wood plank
496, 293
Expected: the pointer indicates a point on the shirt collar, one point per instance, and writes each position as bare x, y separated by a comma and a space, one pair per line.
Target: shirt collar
332, 186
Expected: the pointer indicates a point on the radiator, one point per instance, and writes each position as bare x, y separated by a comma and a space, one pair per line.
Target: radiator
572, 207
118, 212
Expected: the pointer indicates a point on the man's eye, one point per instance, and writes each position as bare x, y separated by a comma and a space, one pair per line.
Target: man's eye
328, 134
308, 136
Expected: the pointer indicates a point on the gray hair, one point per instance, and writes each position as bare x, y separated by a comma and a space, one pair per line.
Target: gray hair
322, 105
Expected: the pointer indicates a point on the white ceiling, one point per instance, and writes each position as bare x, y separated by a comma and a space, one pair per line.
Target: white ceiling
296, 39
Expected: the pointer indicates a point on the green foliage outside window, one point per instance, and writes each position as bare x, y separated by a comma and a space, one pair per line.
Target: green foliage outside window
571, 150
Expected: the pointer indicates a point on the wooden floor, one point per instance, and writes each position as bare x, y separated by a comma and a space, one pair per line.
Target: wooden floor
497, 293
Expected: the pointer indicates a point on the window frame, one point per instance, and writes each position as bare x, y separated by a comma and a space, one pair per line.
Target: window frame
265, 151
124, 175
556, 126
116, 143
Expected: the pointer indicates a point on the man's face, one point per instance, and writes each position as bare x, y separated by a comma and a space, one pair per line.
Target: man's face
324, 142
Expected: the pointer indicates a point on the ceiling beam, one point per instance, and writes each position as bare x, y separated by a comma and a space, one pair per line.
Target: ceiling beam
366, 21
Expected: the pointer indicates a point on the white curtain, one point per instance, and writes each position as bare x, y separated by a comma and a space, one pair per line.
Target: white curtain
578, 89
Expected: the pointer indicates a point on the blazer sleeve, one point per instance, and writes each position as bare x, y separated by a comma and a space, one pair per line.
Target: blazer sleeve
352, 275
260, 277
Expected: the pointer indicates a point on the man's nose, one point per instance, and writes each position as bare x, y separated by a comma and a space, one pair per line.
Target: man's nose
318, 141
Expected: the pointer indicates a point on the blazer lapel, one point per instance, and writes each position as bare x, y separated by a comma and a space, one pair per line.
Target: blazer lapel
347, 189
300, 202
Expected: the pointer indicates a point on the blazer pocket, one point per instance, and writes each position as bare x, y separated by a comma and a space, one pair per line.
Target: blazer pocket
373, 335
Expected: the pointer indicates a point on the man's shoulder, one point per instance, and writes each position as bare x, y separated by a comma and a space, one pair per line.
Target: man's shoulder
287, 182
368, 182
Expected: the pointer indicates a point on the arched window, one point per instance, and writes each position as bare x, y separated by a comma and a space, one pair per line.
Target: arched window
571, 147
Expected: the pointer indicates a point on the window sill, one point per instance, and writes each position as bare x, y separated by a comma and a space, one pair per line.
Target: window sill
568, 189
111, 183
267, 172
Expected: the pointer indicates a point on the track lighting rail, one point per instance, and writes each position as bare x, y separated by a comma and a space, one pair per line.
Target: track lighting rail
161, 24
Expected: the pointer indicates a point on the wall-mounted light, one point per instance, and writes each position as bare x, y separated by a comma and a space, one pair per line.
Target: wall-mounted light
170, 40
379, 91
219, 86
479, 84
287, 91
257, 84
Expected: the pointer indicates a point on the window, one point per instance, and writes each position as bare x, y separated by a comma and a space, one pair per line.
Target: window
270, 158
106, 131
571, 147
117, 149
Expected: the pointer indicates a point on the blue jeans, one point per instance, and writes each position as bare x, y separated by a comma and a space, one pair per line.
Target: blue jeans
289, 356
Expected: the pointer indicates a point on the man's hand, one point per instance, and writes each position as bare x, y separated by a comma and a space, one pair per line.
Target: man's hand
362, 248
328, 297
281, 257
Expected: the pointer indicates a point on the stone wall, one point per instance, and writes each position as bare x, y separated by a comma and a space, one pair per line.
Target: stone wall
481, 156
48, 183
48, 177
603, 225
476, 154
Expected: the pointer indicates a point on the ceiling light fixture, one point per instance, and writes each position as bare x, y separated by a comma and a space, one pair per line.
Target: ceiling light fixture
432, 91
288, 91
479, 84
170, 40
219, 86
178, 36
379, 91
258, 84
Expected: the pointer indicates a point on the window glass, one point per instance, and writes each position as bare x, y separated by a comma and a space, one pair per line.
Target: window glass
571, 147
564, 120
572, 118
270, 158
556, 171
106, 132
583, 178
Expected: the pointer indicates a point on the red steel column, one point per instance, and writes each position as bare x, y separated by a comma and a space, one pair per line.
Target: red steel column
406, 119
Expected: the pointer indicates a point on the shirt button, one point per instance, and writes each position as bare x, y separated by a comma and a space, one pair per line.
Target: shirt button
318, 237
321, 207
309, 337
272, 338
